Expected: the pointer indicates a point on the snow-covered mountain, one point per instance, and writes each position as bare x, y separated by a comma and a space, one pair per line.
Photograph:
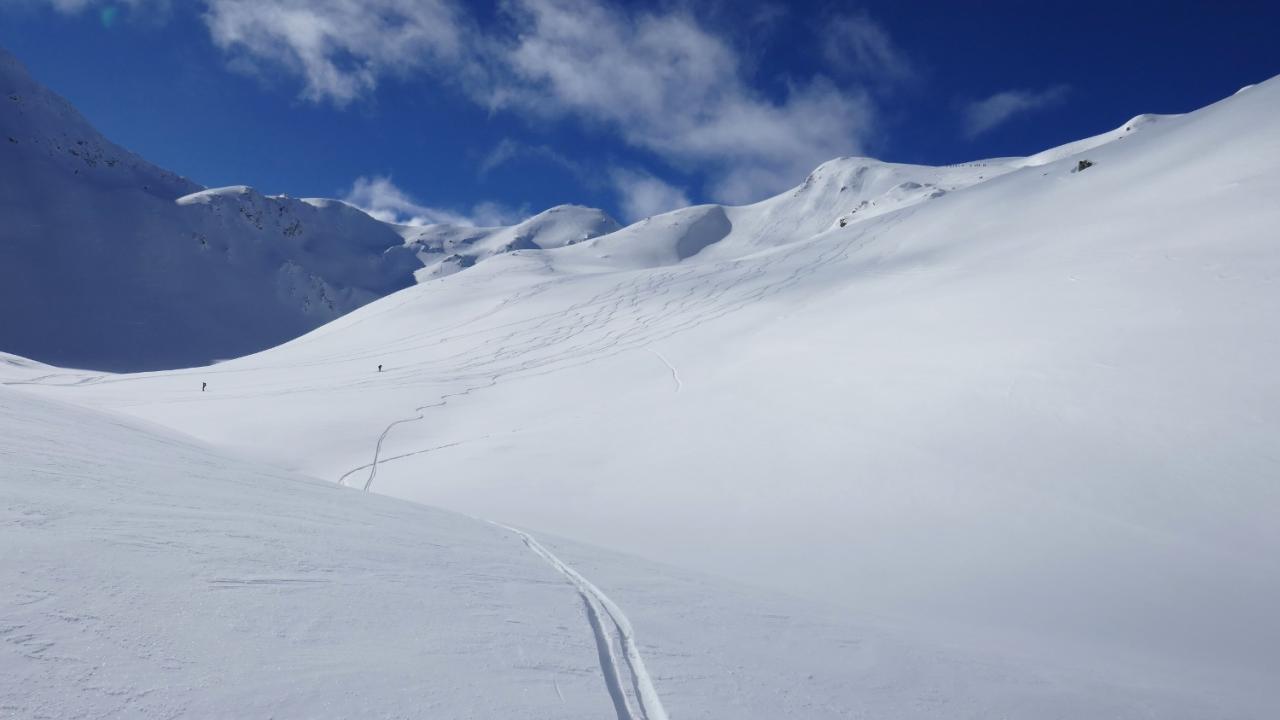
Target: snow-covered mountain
446, 249
109, 262
1002, 433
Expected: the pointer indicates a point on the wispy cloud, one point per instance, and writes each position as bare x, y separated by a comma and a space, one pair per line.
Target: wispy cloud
642, 195
75, 6
382, 199
340, 48
660, 81
504, 152
508, 150
858, 46
664, 83
145, 10
981, 116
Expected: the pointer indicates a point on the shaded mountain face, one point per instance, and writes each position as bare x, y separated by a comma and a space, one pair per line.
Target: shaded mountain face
109, 262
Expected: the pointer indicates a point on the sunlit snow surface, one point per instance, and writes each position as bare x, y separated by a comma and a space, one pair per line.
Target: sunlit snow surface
1013, 428
149, 576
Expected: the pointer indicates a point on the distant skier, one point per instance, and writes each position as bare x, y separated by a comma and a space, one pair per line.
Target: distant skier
379, 368
203, 385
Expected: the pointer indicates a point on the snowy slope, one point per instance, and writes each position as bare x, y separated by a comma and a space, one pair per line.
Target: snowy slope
1011, 400
837, 194
445, 249
149, 576
109, 262
1087, 144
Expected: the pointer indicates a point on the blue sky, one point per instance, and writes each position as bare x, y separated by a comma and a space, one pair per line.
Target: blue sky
483, 112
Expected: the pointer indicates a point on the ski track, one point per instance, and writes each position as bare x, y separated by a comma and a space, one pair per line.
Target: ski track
421, 414
642, 308
555, 341
382, 461
648, 705
675, 374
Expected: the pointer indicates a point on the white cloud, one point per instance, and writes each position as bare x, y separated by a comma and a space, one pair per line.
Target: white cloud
667, 85
858, 46
983, 115
661, 82
154, 8
73, 6
382, 199
508, 150
494, 214
642, 195
340, 48
504, 152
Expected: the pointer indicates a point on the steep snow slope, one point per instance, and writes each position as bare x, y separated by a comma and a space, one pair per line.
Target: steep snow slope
109, 262
1040, 405
148, 576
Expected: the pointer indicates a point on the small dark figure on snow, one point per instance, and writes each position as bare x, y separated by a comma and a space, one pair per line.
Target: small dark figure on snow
379, 368
203, 385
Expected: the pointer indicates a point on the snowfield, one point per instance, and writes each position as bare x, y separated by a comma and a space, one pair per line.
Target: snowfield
147, 575
988, 440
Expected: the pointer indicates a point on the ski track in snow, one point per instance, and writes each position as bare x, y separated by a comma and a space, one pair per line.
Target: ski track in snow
696, 295
421, 414
708, 295
343, 480
675, 374
647, 703
616, 320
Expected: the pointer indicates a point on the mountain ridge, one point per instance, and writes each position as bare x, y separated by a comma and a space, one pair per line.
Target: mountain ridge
125, 266
110, 262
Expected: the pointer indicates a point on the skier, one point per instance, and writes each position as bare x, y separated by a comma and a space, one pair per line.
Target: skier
379, 368
203, 385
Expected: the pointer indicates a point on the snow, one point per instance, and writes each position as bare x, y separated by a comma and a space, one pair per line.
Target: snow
109, 262
445, 249
1137, 124
148, 575
994, 439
